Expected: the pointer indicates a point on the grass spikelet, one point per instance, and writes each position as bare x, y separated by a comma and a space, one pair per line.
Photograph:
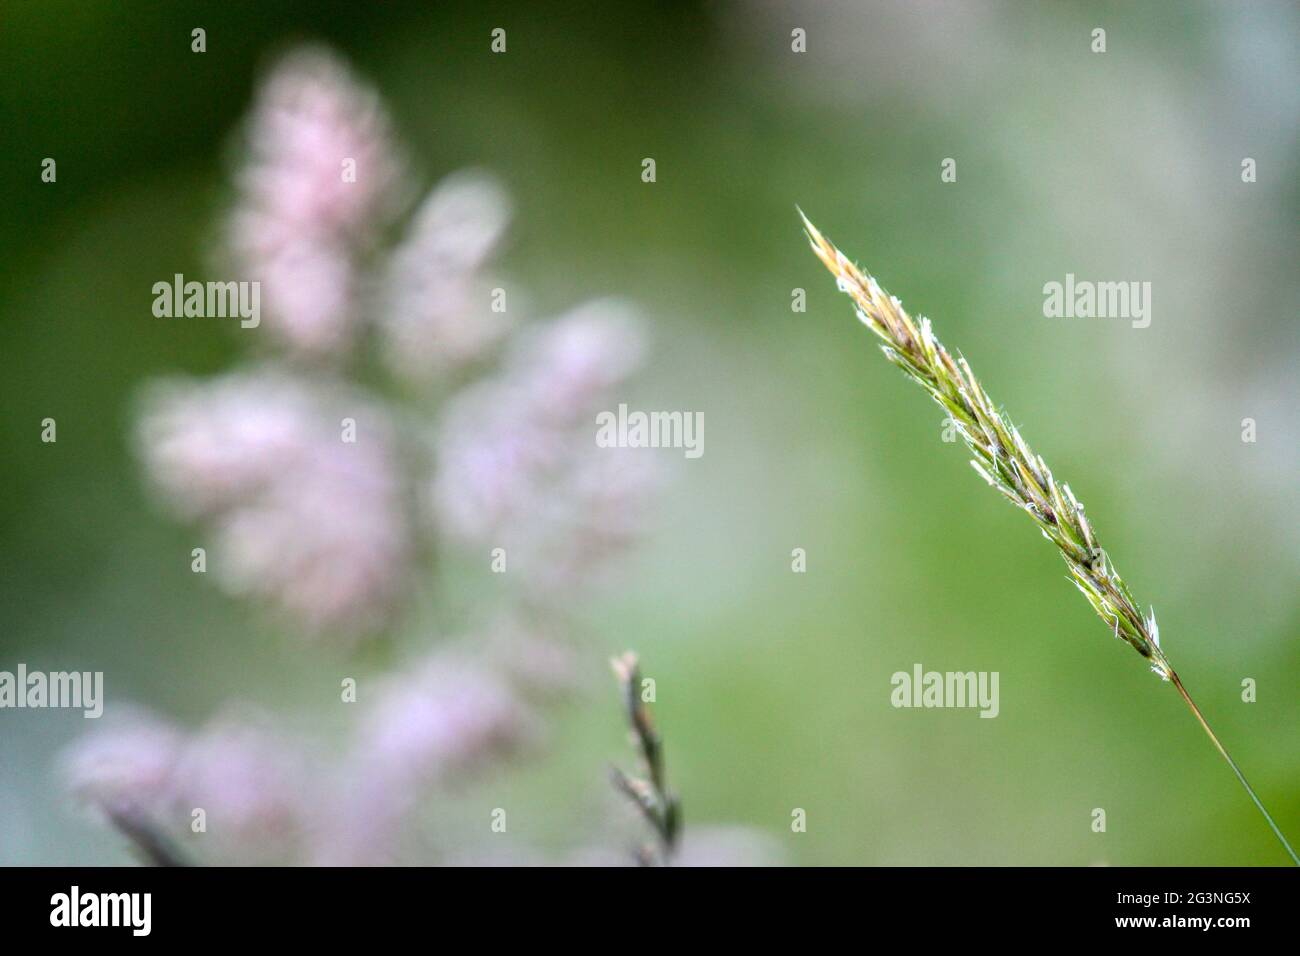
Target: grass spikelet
1004, 459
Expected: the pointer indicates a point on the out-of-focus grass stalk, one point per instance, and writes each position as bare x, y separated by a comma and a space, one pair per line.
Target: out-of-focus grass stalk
1005, 461
153, 848
657, 803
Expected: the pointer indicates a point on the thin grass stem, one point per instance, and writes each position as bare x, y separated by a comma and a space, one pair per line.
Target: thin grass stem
1173, 677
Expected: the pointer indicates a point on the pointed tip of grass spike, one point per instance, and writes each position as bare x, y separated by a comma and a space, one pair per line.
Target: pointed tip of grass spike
623, 665
824, 249
808, 227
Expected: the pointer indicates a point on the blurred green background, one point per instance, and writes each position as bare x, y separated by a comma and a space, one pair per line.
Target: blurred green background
773, 686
